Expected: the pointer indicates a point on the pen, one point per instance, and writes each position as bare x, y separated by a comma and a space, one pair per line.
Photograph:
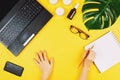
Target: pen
87, 53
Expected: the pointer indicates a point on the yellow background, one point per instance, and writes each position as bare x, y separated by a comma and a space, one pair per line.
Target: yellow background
66, 48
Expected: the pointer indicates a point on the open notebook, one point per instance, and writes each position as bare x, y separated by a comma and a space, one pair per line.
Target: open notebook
107, 51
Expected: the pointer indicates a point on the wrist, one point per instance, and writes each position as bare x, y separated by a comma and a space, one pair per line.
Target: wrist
86, 68
44, 77
86, 65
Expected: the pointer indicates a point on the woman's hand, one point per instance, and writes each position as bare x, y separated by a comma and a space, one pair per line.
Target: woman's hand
89, 58
44, 64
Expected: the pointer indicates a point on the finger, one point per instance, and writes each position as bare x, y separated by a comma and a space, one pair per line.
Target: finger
38, 57
41, 56
86, 53
91, 55
36, 61
45, 56
51, 61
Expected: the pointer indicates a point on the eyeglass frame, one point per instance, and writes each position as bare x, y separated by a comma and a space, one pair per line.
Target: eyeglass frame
79, 31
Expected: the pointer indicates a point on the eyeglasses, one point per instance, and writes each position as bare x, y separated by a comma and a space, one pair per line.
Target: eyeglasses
82, 34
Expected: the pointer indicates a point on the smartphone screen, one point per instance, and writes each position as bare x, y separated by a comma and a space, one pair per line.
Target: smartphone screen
13, 68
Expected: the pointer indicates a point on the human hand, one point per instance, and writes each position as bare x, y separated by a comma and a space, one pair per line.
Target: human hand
44, 64
89, 58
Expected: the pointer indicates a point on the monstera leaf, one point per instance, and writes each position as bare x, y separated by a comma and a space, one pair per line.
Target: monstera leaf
100, 14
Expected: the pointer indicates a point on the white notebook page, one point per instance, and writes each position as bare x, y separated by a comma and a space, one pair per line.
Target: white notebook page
107, 51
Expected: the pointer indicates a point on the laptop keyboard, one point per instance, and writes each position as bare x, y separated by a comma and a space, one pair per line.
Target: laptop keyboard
19, 21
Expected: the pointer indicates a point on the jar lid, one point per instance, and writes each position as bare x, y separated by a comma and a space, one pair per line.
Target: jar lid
60, 11
53, 1
67, 2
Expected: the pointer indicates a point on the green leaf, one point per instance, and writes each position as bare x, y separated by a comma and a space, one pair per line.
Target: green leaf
100, 14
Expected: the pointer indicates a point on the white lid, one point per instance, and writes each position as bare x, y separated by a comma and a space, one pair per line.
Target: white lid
53, 1
59, 11
67, 2
77, 5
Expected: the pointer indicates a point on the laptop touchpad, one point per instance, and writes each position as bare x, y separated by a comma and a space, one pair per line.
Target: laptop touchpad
24, 36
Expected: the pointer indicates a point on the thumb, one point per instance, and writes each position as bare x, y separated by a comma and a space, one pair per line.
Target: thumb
85, 53
52, 61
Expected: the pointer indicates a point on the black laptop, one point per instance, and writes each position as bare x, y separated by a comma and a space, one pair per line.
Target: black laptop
20, 21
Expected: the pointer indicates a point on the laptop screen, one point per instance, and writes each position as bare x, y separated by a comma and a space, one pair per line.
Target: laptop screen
6, 6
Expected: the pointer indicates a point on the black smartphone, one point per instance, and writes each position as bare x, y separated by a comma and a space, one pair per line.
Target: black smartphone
13, 68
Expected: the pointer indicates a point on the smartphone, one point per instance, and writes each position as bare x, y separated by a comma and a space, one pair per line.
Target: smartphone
13, 68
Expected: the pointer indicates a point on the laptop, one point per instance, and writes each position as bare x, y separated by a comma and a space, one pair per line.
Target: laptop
20, 21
